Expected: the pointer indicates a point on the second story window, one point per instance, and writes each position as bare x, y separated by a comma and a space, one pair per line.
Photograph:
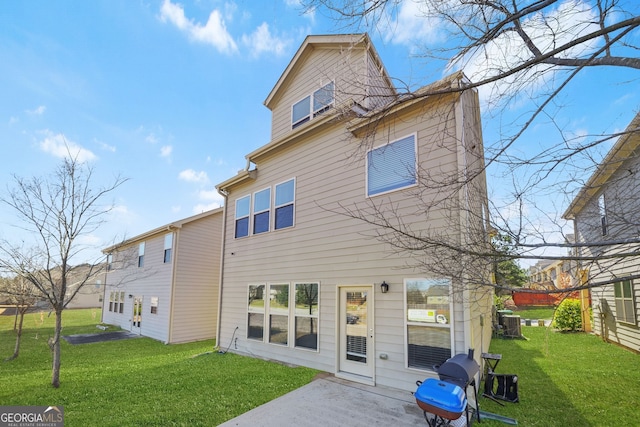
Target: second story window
284, 202
261, 208
602, 210
392, 166
141, 255
243, 206
168, 245
312, 105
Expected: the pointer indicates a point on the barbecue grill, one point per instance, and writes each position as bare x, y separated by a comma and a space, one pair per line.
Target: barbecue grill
446, 401
461, 370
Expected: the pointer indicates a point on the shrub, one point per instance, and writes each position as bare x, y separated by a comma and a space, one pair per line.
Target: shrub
568, 317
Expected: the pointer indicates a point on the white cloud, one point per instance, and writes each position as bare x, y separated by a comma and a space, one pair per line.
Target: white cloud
190, 175
166, 151
214, 32
199, 208
38, 111
307, 11
411, 25
209, 195
262, 41
59, 146
104, 146
13, 120
151, 139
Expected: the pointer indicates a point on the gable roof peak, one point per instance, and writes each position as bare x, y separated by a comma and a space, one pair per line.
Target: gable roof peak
311, 42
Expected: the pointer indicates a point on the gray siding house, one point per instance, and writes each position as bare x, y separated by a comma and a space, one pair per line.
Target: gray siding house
606, 215
163, 284
305, 283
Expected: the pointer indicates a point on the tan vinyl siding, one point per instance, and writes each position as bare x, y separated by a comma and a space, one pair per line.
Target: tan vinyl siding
334, 249
195, 297
378, 91
324, 66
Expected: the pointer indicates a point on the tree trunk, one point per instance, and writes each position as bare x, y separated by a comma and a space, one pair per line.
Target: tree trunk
54, 344
16, 350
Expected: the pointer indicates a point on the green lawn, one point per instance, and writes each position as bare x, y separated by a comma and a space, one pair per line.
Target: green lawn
568, 379
139, 382
564, 379
535, 313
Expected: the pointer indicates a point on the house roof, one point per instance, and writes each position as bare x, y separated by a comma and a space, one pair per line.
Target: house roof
614, 160
163, 229
313, 42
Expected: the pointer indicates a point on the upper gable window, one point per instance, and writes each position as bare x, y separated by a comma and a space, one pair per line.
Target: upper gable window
242, 216
392, 166
312, 105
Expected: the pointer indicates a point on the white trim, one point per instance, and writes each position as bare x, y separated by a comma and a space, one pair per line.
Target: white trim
389, 143
247, 337
236, 218
253, 211
313, 113
450, 325
276, 206
267, 312
292, 303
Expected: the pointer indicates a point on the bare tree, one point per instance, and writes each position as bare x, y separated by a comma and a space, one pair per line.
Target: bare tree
55, 213
515, 53
23, 295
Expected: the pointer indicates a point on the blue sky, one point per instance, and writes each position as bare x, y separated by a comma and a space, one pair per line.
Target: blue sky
170, 94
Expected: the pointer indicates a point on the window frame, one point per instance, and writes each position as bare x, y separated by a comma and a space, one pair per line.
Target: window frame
153, 305
310, 101
121, 302
141, 249
167, 249
450, 326
242, 217
255, 213
602, 211
269, 312
620, 300
256, 310
391, 187
111, 300
277, 206
296, 315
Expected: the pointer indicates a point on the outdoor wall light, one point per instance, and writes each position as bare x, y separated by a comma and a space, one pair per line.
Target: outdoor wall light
384, 287
130, 296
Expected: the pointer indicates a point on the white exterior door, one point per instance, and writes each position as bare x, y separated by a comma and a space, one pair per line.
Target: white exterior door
136, 316
355, 320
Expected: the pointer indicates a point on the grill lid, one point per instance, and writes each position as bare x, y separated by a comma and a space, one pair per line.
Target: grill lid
460, 369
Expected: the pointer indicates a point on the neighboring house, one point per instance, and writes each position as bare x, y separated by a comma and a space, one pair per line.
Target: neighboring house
163, 284
306, 284
91, 293
606, 215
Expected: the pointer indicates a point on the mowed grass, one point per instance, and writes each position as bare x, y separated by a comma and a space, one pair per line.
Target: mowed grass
137, 382
535, 313
568, 379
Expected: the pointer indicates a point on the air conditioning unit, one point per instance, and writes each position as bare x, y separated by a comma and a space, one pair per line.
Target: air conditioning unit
511, 325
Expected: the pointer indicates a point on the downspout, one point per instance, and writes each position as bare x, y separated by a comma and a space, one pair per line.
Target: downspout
224, 194
174, 257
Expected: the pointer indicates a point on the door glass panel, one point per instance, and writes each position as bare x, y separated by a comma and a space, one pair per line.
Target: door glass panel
356, 327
